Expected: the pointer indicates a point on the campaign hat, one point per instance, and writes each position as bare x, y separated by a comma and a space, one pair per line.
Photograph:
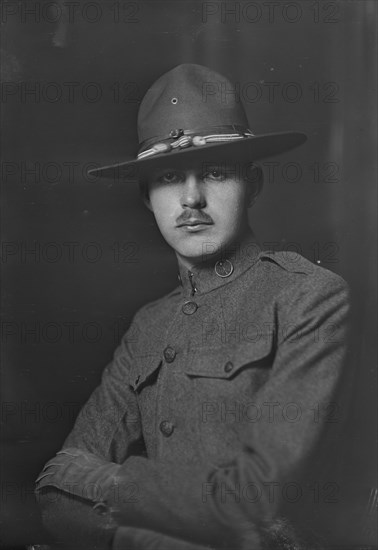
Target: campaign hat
194, 114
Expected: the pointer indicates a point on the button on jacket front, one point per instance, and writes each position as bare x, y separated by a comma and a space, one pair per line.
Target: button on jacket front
218, 396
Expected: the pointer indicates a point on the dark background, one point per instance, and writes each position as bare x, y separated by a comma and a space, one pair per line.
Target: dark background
78, 297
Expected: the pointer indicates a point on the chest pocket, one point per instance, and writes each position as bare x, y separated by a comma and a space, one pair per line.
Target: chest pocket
226, 362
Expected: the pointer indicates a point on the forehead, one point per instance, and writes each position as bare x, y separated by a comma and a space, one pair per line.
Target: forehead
232, 170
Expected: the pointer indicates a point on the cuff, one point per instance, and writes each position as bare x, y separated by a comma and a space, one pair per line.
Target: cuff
79, 473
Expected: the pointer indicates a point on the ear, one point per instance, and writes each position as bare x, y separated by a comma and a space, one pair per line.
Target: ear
143, 188
147, 202
251, 200
254, 179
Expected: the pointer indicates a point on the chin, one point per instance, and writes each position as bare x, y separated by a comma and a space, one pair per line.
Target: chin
199, 249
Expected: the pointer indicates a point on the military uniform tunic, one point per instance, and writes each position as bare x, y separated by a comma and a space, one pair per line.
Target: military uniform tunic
208, 403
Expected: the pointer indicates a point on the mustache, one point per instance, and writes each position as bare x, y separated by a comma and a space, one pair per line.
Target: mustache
197, 215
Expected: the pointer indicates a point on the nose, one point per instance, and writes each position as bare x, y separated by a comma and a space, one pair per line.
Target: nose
193, 193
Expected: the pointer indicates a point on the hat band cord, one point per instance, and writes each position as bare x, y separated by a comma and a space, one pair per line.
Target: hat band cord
190, 140
201, 131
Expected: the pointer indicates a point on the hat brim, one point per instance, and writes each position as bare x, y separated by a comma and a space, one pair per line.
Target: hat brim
248, 149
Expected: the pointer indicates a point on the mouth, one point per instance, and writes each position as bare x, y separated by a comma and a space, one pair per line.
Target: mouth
193, 222
194, 225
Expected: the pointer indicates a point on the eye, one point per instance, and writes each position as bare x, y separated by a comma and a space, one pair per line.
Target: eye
215, 174
169, 177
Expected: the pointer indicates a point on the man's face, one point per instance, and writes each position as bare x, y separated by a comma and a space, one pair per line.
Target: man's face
201, 210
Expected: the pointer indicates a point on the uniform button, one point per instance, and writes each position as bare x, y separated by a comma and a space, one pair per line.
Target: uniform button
189, 308
100, 509
169, 354
166, 428
223, 268
228, 367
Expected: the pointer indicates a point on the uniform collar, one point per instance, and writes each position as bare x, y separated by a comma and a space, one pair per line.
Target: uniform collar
223, 269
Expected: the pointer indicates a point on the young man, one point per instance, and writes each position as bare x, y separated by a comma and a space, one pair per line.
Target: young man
212, 405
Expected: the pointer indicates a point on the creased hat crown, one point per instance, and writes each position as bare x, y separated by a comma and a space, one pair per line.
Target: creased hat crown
189, 97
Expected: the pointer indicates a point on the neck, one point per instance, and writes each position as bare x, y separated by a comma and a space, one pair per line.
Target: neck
218, 269
224, 251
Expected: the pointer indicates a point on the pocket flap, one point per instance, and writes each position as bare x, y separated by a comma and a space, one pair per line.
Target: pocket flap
145, 367
226, 361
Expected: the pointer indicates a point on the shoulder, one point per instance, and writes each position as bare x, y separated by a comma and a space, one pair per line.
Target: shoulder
296, 269
159, 311
294, 282
149, 323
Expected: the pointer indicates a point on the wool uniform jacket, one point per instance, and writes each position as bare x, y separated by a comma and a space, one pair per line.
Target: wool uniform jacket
216, 396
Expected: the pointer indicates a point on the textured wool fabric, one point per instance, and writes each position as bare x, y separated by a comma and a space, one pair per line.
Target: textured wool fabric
209, 400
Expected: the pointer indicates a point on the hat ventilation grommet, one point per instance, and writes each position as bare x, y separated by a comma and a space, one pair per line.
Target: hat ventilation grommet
174, 100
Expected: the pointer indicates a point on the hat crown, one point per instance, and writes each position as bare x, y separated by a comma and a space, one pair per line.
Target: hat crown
189, 97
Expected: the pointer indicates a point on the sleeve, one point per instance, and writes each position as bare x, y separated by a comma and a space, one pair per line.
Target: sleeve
109, 424
107, 431
202, 502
